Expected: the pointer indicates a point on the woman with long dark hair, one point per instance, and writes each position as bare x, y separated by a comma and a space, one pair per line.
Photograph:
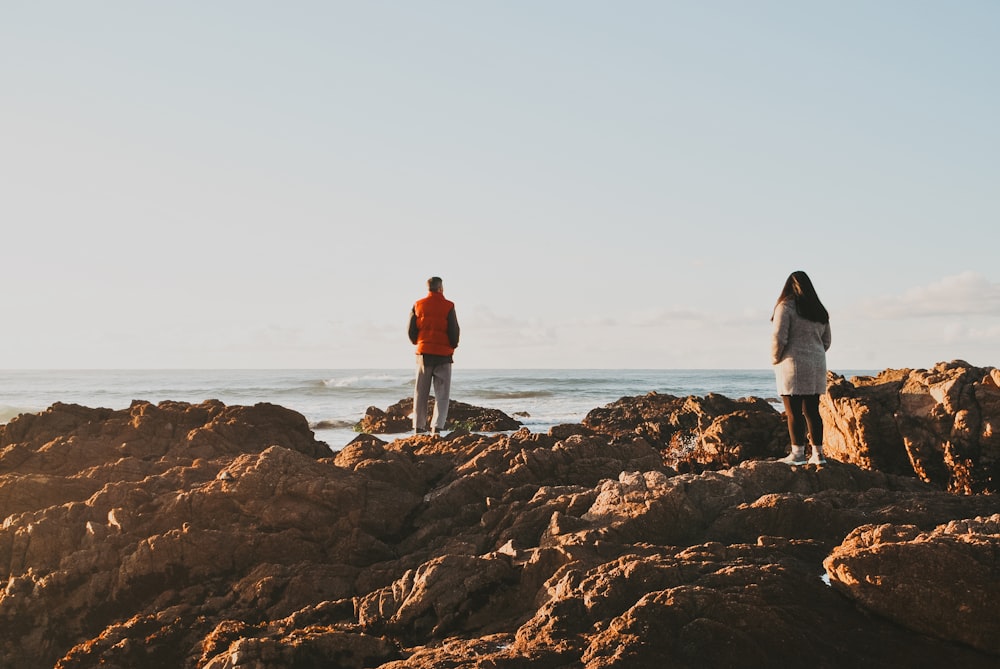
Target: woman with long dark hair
799, 343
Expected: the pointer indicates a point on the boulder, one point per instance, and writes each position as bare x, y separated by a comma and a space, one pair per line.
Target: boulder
696, 434
941, 582
941, 425
399, 418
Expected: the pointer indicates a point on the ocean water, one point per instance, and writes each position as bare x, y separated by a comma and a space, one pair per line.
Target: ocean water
334, 400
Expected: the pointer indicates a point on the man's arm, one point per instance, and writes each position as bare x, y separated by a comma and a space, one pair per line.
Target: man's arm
453, 329
414, 331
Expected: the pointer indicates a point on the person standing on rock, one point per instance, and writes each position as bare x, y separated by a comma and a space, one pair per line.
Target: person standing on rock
434, 330
799, 342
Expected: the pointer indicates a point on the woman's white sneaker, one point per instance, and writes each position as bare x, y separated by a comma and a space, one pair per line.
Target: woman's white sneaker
817, 456
796, 457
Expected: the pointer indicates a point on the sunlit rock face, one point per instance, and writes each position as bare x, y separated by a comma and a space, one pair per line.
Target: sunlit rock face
941, 425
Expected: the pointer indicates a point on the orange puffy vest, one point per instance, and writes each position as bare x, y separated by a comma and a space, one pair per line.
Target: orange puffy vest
432, 323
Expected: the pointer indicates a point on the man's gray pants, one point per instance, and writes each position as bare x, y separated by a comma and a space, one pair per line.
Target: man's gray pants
440, 376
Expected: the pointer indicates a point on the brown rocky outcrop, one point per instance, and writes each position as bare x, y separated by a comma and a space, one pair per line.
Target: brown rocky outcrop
397, 418
696, 433
941, 425
227, 537
942, 582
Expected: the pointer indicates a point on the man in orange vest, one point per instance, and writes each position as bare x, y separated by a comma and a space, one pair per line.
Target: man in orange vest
434, 330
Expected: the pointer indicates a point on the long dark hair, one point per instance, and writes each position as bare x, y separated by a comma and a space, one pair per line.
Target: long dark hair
799, 289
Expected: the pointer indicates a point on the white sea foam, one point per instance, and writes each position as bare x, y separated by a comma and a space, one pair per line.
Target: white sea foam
7, 413
380, 380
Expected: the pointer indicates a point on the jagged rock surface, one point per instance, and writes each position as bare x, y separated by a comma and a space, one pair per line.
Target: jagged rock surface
227, 537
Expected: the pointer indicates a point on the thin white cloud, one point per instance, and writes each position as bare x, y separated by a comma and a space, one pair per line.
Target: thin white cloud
660, 316
499, 331
960, 332
968, 293
663, 317
485, 320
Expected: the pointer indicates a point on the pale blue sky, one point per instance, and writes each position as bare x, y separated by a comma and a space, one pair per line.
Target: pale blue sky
627, 184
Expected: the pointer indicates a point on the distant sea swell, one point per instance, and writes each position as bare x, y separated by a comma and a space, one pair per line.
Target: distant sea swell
334, 400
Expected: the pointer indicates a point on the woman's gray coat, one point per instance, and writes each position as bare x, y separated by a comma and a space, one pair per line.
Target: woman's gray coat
798, 352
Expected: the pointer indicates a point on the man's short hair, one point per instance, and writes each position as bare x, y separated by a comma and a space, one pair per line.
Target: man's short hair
434, 283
